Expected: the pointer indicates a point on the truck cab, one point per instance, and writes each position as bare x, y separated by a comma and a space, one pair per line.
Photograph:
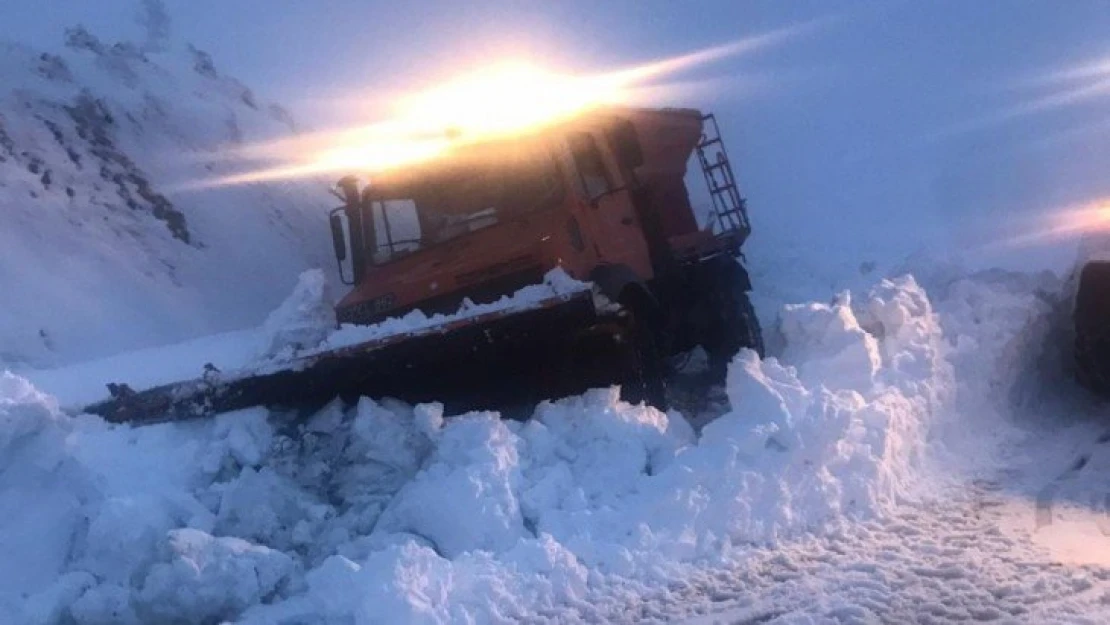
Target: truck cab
602, 196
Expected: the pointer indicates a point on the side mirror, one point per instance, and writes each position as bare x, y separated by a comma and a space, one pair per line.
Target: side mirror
626, 144
338, 239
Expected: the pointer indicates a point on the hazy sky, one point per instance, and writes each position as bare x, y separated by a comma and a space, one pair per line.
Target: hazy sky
874, 111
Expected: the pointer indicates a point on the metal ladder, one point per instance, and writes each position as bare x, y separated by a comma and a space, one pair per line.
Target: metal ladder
730, 211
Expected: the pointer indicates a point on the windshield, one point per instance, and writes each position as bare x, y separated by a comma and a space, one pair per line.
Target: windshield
433, 204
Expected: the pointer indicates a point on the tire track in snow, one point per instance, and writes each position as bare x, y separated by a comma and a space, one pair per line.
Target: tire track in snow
933, 561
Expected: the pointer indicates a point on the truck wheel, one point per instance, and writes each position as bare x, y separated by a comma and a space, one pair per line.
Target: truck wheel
645, 378
737, 325
1091, 363
1092, 332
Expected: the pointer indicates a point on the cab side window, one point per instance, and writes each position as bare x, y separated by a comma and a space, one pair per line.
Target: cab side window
591, 168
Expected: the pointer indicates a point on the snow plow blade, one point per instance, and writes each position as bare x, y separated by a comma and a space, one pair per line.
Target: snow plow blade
1092, 326
497, 360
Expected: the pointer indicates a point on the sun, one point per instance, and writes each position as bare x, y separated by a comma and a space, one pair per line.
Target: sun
499, 99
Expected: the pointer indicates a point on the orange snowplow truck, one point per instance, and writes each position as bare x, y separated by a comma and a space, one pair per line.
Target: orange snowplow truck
603, 197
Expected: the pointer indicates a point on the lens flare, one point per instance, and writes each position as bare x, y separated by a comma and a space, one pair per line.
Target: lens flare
499, 100
1047, 92
1071, 223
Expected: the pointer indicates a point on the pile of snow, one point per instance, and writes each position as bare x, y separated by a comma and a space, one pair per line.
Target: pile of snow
302, 321
305, 322
556, 284
105, 248
383, 512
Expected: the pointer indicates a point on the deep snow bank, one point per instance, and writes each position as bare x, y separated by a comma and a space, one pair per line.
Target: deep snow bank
1009, 336
384, 512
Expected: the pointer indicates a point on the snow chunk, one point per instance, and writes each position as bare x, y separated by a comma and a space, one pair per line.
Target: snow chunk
123, 536
556, 283
23, 411
601, 441
410, 583
49, 605
209, 579
389, 438
828, 344
260, 504
303, 320
474, 473
41, 490
106, 604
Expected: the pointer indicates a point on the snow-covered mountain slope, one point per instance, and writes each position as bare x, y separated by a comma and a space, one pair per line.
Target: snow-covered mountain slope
102, 248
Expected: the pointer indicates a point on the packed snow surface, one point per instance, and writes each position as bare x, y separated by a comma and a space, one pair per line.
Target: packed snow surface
383, 512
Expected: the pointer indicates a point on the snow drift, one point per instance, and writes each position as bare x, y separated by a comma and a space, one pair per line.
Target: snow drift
104, 251
385, 512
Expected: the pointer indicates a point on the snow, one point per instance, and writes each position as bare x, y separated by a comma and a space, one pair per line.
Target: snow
890, 463
911, 450
209, 578
382, 511
557, 284
303, 320
809, 327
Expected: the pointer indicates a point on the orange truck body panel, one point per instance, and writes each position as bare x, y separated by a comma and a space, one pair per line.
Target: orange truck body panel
574, 233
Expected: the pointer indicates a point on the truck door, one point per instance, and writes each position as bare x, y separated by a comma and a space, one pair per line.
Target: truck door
605, 198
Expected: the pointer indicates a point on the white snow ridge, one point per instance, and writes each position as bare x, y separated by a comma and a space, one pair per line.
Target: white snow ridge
387, 513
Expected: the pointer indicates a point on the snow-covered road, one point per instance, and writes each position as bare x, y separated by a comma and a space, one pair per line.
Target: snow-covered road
1017, 529
956, 559
983, 551
915, 456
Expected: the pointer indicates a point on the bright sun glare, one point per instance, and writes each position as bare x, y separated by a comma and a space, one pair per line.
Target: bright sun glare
499, 100
1070, 223
1088, 219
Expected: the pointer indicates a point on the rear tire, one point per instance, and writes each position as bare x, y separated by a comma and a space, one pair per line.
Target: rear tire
1092, 327
644, 375
645, 378
1091, 355
736, 325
